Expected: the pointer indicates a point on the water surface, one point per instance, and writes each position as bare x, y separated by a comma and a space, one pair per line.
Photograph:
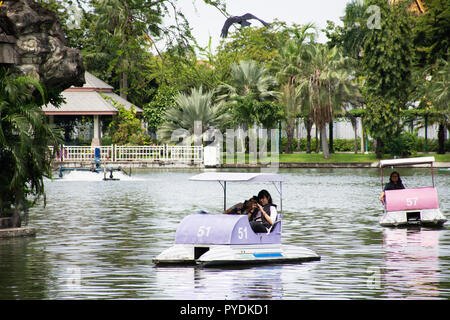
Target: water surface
96, 240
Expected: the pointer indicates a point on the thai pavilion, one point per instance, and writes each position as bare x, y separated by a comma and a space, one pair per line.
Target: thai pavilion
93, 99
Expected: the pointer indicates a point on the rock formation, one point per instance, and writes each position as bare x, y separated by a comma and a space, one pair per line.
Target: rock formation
32, 42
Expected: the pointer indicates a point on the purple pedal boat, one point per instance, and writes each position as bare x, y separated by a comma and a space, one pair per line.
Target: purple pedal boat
411, 206
219, 239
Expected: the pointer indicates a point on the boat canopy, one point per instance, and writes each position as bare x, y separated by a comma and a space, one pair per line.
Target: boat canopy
238, 177
409, 161
224, 177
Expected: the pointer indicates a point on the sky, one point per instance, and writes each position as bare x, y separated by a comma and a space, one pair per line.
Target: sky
208, 21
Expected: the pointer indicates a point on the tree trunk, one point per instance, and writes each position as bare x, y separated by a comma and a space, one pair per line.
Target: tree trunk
124, 85
317, 141
16, 220
326, 152
308, 125
441, 138
379, 148
290, 127
331, 136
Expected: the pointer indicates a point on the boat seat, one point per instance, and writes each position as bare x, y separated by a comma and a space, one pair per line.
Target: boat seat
272, 227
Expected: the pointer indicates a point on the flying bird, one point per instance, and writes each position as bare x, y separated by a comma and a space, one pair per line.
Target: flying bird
242, 20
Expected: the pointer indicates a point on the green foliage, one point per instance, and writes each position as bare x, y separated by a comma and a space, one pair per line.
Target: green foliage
401, 145
431, 32
126, 129
248, 110
24, 140
154, 110
180, 120
387, 64
339, 145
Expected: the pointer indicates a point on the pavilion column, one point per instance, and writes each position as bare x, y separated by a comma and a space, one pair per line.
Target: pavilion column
97, 134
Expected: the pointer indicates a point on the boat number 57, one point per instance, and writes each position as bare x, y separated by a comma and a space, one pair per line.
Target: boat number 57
411, 202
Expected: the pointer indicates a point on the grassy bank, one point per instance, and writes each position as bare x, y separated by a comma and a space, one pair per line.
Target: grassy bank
339, 158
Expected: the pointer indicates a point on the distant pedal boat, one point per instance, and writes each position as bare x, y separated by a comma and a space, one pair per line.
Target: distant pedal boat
412, 206
220, 239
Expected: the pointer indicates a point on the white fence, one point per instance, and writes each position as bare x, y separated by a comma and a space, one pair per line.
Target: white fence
163, 153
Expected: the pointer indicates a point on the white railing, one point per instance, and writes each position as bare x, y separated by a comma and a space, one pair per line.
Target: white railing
162, 153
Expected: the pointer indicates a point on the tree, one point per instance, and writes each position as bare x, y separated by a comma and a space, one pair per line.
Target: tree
248, 95
24, 140
327, 84
290, 66
431, 32
180, 120
350, 37
387, 64
247, 77
435, 94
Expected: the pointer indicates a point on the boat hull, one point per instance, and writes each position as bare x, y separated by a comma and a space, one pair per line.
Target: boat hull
234, 255
424, 217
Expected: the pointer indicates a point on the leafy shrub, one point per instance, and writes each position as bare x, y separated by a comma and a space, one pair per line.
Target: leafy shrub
403, 145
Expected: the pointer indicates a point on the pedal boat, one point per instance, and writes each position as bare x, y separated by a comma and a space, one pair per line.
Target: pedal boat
207, 239
412, 206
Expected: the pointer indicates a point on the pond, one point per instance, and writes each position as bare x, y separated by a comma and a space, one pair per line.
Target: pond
96, 240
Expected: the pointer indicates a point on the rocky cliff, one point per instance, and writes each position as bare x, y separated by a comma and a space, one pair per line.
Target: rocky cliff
32, 42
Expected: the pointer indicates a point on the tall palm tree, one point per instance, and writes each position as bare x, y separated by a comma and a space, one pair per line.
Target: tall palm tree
328, 85
290, 69
24, 140
250, 87
290, 98
180, 120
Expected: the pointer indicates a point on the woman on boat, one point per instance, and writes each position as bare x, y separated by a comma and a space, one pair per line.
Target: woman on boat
395, 183
266, 216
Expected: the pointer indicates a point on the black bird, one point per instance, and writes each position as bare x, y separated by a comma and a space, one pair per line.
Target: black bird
239, 19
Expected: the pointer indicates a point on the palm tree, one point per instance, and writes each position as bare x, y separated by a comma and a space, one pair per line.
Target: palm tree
436, 91
328, 85
247, 77
250, 90
290, 68
24, 140
190, 110
290, 98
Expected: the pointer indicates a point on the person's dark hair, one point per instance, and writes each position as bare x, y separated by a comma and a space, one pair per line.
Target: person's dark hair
264, 193
398, 174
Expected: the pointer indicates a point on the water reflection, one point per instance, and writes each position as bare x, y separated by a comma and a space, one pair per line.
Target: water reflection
261, 282
411, 263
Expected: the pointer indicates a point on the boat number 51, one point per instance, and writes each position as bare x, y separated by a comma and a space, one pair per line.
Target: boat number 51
242, 233
411, 202
203, 231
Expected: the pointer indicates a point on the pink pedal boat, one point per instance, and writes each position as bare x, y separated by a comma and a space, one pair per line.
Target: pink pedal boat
412, 206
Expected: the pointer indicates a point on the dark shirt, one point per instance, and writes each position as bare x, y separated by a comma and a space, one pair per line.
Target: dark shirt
394, 186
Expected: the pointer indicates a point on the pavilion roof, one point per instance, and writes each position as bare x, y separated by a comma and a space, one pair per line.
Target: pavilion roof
89, 100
